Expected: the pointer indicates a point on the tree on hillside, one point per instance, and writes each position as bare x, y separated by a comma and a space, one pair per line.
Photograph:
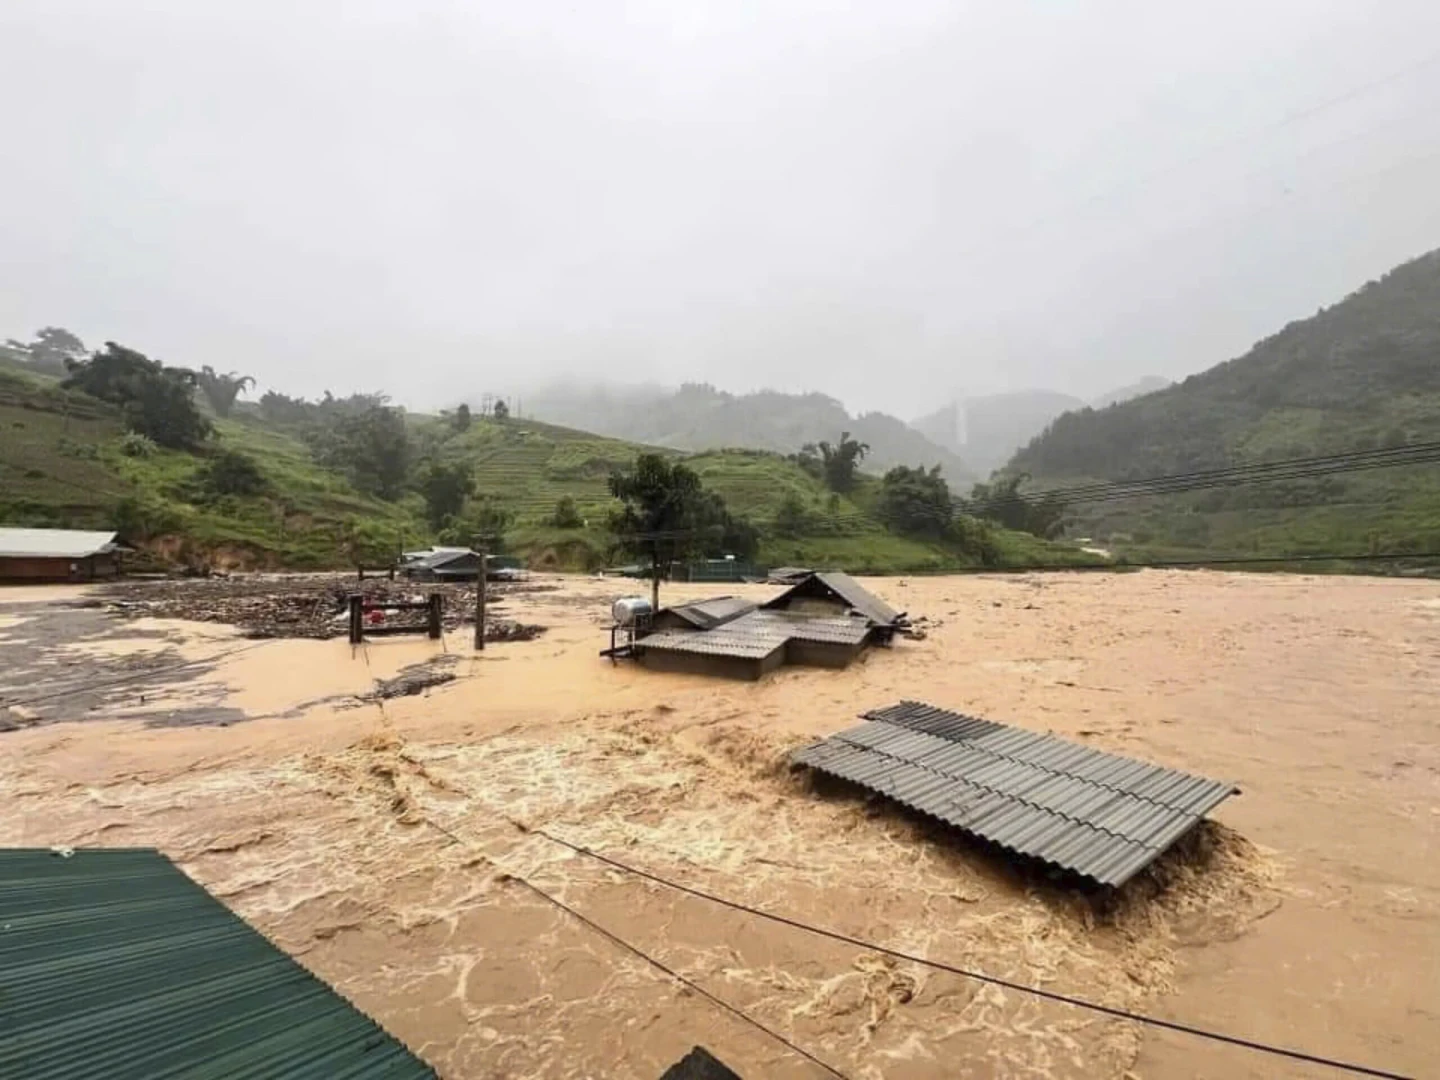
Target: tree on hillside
222, 390
51, 351
1000, 501
230, 472
373, 447
487, 517
916, 502
460, 419
501, 411
445, 488
282, 409
792, 518
837, 464
722, 533
157, 401
566, 515
667, 515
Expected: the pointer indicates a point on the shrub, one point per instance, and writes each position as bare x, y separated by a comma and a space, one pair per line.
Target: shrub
232, 473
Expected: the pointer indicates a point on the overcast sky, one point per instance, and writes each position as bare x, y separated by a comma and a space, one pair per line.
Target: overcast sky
891, 202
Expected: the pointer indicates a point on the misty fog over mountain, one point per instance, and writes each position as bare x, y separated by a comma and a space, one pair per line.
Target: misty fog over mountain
896, 207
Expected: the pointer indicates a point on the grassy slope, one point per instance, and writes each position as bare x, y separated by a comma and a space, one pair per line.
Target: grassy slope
1364, 373
61, 464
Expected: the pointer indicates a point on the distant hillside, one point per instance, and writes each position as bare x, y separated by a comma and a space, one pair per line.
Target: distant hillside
66, 461
1364, 373
985, 431
699, 417
1148, 385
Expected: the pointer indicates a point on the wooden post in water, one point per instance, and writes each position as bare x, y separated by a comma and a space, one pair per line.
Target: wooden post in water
480, 546
357, 619
434, 624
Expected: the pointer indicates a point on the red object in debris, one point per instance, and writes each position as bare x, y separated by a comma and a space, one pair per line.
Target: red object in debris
376, 617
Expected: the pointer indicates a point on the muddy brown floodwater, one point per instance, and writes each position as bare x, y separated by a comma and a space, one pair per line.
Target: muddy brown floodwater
379, 840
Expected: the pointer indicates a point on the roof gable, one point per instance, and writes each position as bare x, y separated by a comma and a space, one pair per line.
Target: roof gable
844, 589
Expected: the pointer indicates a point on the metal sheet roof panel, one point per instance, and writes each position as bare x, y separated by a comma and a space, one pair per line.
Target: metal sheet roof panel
708, 614
1107, 819
711, 643
114, 963
53, 543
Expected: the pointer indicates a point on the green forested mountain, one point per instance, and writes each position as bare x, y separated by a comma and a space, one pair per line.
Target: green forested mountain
1146, 385
288, 483
1361, 374
700, 417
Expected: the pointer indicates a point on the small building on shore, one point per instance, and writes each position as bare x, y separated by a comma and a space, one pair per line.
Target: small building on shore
39, 556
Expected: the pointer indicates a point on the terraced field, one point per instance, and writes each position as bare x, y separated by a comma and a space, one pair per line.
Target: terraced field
62, 462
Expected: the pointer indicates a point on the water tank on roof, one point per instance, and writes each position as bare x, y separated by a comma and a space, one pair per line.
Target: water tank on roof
630, 610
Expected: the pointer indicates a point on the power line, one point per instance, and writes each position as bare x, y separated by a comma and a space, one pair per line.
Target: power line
689, 984
1109, 491
617, 940
1386, 454
1049, 995
1198, 564
1286, 469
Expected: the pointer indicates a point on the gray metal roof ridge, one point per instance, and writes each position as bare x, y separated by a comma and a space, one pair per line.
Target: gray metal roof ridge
1004, 794
871, 717
1100, 815
1112, 874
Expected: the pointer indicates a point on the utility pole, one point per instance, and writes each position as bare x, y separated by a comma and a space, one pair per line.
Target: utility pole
481, 546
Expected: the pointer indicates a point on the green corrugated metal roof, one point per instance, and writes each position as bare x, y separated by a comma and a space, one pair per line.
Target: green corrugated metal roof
115, 964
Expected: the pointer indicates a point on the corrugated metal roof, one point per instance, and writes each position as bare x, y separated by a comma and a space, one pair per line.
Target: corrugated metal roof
840, 630
1101, 815
436, 558
719, 642
845, 589
708, 614
115, 964
53, 543
757, 634
860, 598
788, 575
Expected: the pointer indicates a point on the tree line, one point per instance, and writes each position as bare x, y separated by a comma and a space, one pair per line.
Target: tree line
665, 514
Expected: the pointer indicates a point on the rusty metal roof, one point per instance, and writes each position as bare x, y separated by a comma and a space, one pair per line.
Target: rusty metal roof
1101, 815
113, 963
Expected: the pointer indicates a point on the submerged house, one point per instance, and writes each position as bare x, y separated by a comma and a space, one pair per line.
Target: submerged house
49, 555
824, 620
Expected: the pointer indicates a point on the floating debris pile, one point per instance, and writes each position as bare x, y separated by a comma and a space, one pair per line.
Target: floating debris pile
304, 606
